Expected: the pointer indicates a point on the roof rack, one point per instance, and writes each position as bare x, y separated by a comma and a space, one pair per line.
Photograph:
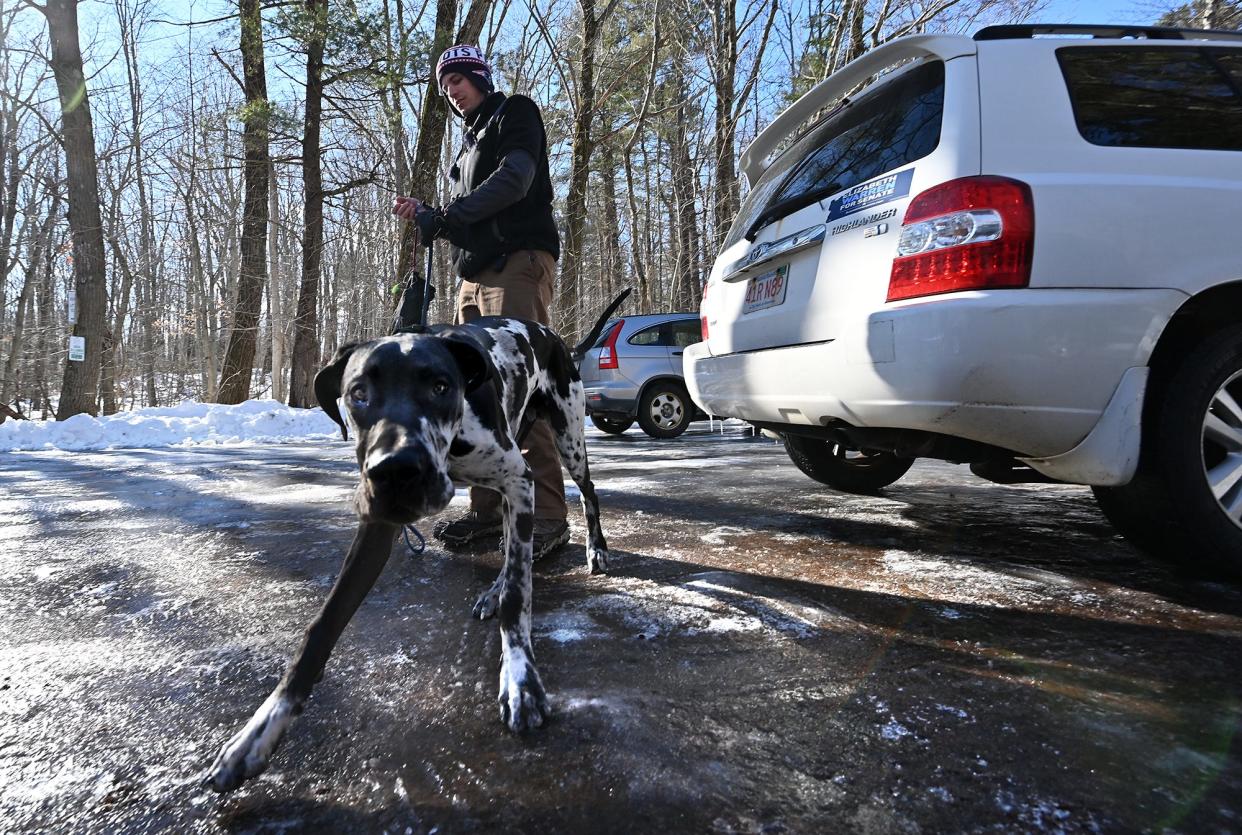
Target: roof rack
1155, 33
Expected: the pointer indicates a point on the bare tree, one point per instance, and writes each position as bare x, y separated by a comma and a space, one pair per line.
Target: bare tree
80, 383
305, 337
256, 116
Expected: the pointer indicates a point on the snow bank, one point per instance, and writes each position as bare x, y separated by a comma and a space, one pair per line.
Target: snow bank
252, 422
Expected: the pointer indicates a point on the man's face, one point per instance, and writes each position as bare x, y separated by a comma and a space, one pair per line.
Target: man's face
461, 92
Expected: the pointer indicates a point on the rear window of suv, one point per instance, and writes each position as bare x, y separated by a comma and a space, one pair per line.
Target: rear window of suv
891, 125
1156, 97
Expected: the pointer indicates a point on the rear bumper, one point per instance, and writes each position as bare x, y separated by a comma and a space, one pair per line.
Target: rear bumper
1027, 370
612, 398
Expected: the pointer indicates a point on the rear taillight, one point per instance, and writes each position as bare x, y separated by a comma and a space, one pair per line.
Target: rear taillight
702, 315
608, 353
976, 233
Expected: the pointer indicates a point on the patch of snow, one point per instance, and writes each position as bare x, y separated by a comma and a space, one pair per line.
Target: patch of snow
191, 423
716, 536
565, 626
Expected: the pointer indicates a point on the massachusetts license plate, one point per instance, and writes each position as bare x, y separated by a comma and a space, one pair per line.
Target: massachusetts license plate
767, 290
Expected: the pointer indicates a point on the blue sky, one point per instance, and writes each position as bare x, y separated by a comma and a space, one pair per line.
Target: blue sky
1102, 11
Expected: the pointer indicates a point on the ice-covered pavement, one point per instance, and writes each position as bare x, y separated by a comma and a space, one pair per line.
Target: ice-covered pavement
766, 655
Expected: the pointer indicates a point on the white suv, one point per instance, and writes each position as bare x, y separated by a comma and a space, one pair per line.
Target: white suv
1021, 250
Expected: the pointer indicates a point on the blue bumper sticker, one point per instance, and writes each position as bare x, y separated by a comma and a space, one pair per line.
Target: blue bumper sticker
871, 194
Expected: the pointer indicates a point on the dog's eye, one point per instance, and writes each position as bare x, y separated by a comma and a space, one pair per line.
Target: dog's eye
439, 387
358, 396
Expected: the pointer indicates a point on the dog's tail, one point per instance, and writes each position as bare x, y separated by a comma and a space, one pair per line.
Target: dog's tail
589, 340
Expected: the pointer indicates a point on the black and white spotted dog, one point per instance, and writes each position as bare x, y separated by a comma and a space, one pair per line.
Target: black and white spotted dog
427, 407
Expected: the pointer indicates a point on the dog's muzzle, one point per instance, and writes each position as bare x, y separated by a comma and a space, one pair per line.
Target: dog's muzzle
402, 485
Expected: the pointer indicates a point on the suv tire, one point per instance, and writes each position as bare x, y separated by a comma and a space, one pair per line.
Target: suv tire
665, 410
1194, 436
827, 463
612, 427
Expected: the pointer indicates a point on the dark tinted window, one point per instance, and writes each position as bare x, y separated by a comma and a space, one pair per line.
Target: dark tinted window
893, 125
686, 332
650, 336
1156, 97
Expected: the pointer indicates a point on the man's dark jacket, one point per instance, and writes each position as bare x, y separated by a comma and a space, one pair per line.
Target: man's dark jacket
501, 190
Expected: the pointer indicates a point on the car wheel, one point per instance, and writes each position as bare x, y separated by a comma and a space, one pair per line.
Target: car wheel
1185, 504
612, 427
665, 410
845, 469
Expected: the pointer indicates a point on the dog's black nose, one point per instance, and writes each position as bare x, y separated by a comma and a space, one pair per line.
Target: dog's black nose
395, 468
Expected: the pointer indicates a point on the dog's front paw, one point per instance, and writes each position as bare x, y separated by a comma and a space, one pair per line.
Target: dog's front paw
597, 560
246, 755
523, 702
488, 602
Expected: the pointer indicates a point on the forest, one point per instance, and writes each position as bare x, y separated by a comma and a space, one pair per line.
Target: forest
195, 197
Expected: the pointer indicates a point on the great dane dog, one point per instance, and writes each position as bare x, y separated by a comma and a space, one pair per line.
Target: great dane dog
428, 406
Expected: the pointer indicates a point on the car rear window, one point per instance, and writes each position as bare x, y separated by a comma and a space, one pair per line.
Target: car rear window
893, 124
1156, 97
647, 336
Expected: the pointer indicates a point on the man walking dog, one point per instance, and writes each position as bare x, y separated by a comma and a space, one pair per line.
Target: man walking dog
504, 244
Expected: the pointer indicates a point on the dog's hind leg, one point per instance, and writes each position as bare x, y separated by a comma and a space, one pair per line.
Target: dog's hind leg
569, 427
246, 754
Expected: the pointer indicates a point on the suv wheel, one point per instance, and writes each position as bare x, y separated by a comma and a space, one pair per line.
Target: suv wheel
612, 427
1186, 502
665, 410
845, 469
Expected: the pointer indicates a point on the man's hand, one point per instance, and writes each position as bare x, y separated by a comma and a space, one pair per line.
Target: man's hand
426, 219
407, 207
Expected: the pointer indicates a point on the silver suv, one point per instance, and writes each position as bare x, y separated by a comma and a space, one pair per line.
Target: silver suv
1017, 250
633, 372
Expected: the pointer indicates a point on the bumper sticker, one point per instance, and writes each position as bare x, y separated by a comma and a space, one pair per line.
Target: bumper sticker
870, 194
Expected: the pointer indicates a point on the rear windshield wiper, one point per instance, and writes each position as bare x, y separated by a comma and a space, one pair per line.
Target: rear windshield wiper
787, 207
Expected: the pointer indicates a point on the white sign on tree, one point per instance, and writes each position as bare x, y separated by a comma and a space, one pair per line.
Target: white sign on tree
77, 348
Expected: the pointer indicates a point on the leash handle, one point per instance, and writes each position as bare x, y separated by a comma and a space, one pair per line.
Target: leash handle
422, 319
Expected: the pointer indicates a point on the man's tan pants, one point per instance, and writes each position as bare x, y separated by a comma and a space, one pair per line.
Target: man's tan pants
522, 289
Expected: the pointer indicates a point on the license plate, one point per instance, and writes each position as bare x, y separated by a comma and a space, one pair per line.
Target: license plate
767, 290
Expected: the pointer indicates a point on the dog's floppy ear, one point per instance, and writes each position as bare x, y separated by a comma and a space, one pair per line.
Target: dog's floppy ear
471, 359
328, 384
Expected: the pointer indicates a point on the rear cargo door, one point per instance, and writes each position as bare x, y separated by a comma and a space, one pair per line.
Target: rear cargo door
811, 250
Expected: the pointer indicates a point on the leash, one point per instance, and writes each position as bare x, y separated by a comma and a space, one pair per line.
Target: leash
402, 323
422, 541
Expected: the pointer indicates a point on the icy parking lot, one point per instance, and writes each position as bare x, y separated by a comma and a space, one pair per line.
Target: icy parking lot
765, 655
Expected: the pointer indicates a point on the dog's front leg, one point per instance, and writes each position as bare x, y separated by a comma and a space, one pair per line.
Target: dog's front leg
246, 754
523, 702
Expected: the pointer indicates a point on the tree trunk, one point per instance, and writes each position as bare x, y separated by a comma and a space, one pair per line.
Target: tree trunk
39, 245
80, 383
1210, 18
115, 332
579, 176
10, 180
239, 356
277, 313
611, 256
725, 205
305, 332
